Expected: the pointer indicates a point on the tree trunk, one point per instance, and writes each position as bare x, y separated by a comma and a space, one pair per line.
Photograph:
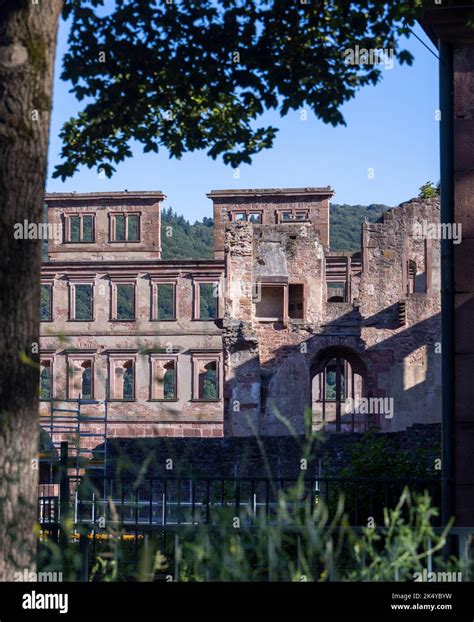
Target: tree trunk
27, 42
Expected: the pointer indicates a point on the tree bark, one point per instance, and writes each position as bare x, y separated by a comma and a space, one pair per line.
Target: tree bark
27, 43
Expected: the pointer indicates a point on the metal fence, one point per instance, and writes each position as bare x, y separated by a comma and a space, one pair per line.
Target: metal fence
163, 501
142, 510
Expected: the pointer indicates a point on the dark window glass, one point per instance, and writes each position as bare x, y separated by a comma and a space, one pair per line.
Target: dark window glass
165, 301
87, 229
133, 228
45, 306
125, 302
120, 227
74, 229
207, 301
83, 302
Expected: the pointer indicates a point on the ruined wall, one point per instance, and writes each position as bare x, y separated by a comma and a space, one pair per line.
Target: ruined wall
395, 343
270, 204
185, 339
102, 206
406, 359
276, 332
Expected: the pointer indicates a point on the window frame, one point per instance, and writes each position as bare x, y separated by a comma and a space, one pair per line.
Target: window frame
49, 284
67, 228
114, 299
72, 299
293, 211
197, 282
154, 284
50, 359
113, 227
284, 317
166, 358
113, 359
197, 359
247, 213
303, 318
79, 358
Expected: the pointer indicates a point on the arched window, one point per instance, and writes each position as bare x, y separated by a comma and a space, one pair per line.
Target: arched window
338, 382
169, 381
208, 382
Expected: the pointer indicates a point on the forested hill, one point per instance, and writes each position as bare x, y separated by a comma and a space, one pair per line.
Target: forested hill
182, 240
345, 224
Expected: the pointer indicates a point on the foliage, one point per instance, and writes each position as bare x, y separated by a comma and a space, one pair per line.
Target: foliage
375, 456
182, 240
296, 543
192, 76
346, 222
429, 190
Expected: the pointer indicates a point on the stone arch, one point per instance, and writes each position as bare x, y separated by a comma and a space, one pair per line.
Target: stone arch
339, 379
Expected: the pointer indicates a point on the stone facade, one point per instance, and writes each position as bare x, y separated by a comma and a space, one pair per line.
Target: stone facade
276, 326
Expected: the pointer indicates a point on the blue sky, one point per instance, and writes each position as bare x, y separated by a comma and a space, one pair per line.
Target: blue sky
391, 128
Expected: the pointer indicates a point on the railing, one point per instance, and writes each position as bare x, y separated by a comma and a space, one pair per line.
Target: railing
174, 501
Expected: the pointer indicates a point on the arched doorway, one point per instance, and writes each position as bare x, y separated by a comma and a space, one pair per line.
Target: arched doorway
338, 381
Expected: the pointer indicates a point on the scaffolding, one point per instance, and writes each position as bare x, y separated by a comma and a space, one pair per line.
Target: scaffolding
69, 420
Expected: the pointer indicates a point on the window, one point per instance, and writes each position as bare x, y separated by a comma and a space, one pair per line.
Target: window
271, 303
123, 301
163, 378
81, 378
81, 302
416, 283
255, 217
122, 379
292, 215
163, 301
330, 384
46, 383
125, 227
206, 378
46, 303
296, 301
206, 300
79, 228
